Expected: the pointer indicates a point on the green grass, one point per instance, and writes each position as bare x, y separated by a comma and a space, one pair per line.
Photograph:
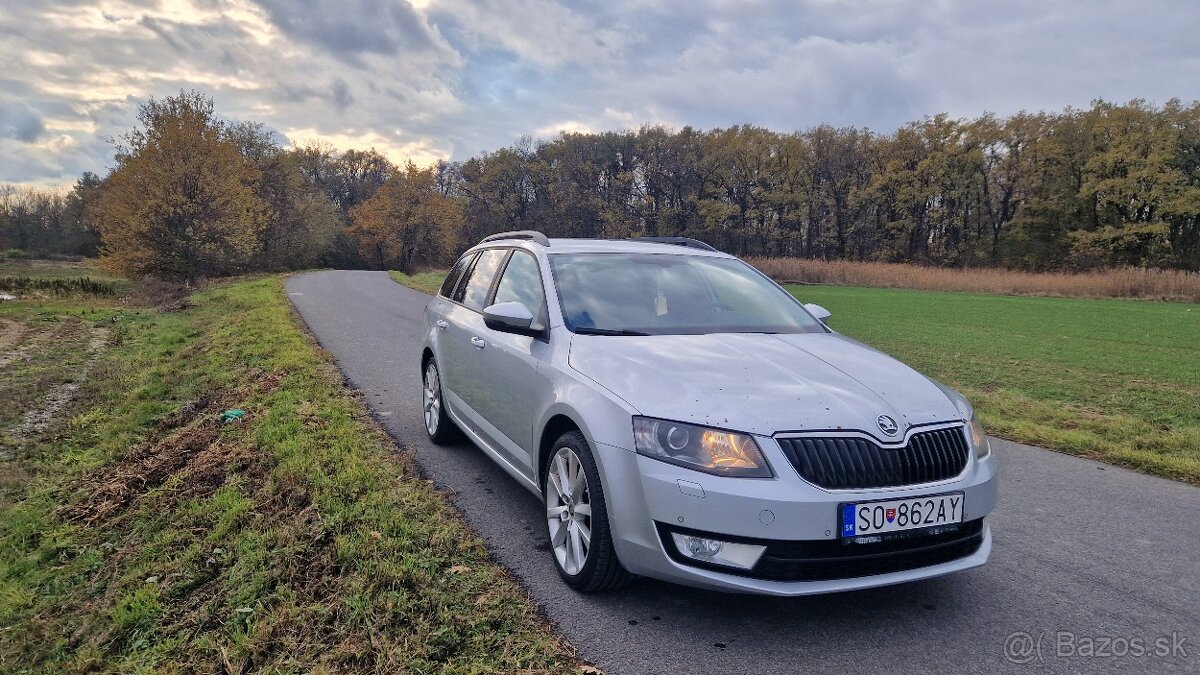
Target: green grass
426, 282
140, 534
1117, 380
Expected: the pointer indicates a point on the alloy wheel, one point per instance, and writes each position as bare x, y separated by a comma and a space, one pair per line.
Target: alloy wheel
432, 398
568, 510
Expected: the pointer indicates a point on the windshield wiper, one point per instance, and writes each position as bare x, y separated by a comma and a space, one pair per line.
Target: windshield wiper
608, 331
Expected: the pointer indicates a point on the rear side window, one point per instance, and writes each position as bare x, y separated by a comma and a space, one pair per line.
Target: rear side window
455, 275
522, 282
475, 291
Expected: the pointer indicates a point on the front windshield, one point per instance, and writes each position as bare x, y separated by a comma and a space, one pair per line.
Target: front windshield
671, 294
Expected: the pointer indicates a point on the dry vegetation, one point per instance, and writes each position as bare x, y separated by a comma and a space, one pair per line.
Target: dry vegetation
1129, 282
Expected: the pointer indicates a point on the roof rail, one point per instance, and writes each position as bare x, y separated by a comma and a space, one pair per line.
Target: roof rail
687, 242
531, 235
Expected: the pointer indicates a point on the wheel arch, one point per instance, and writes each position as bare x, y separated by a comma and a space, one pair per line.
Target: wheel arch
558, 424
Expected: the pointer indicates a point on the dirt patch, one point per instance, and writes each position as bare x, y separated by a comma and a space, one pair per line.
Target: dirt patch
145, 467
11, 333
21, 339
39, 419
185, 444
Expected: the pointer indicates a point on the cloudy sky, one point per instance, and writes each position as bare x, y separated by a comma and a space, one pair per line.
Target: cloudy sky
429, 79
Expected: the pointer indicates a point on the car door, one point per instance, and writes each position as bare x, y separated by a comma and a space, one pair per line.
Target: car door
462, 360
514, 383
441, 304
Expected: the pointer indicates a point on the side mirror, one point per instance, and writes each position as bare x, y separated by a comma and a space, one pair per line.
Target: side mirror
509, 317
819, 313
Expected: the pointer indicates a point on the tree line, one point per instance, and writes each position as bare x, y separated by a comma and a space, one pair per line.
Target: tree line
50, 221
194, 195
1081, 189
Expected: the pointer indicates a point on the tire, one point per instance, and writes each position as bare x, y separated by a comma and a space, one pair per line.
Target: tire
571, 530
438, 425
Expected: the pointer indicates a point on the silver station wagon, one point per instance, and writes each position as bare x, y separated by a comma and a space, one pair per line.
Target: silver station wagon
683, 417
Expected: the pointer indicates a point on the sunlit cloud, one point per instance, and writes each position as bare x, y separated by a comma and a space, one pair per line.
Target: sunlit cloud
418, 151
568, 127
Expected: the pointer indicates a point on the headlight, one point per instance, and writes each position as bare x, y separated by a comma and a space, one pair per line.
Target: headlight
724, 453
979, 440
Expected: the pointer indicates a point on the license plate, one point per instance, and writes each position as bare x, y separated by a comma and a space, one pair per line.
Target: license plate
897, 515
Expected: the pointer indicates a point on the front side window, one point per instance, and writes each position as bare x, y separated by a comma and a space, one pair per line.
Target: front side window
475, 291
455, 275
522, 282
671, 294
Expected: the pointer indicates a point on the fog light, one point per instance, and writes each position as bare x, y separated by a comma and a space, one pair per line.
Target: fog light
743, 556
703, 548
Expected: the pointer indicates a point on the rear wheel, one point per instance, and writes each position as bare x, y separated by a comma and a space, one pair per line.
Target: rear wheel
438, 424
577, 519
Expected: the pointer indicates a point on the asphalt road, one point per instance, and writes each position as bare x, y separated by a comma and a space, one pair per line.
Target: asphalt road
1082, 551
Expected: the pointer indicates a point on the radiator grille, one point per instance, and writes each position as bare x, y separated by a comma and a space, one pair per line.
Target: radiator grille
858, 463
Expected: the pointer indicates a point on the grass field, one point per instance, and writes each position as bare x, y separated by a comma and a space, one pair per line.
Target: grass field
1118, 380
139, 533
426, 282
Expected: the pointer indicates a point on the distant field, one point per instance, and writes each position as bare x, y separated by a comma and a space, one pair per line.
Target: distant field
1146, 284
53, 269
1118, 380
53, 278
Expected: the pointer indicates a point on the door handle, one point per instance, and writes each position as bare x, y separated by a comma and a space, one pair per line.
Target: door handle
478, 342
441, 324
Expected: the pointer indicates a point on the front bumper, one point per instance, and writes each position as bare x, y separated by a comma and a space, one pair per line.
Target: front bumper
648, 499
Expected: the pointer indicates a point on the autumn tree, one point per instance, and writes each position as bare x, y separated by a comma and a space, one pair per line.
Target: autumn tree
302, 222
408, 222
183, 202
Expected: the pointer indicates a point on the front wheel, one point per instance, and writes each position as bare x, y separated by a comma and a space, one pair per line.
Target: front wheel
577, 519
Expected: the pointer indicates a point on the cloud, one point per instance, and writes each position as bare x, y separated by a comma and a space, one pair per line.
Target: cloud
348, 29
19, 121
342, 98
449, 78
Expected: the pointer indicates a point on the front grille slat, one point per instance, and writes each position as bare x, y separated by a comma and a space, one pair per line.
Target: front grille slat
846, 463
848, 456
929, 459
945, 439
945, 455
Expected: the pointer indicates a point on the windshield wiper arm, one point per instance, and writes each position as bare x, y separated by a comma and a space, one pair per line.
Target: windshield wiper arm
608, 331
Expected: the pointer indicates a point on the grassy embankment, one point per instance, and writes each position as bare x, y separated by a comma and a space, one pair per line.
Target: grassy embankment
1117, 380
426, 282
138, 532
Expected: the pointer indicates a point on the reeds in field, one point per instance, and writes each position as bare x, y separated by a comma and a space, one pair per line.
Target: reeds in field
1126, 282
56, 286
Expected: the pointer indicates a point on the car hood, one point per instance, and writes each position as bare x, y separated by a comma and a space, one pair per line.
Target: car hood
762, 383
